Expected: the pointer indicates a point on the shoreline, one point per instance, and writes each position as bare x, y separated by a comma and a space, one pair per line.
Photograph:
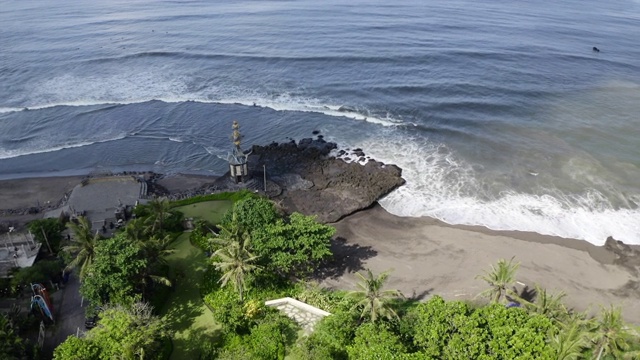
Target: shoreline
51, 189
426, 255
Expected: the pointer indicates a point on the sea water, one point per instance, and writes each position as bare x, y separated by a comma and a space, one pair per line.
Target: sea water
499, 112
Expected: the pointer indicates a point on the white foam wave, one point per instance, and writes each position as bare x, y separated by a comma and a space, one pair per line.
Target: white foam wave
139, 87
8, 153
442, 186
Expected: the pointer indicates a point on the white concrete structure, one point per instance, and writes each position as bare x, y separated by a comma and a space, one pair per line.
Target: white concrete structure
305, 315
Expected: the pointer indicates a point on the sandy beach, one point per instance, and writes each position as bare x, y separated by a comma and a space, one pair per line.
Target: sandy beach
425, 256
428, 257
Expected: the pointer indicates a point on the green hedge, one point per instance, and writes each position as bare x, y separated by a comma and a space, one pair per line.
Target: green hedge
166, 348
232, 196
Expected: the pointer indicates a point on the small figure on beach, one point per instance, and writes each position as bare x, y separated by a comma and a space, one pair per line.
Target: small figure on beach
595, 49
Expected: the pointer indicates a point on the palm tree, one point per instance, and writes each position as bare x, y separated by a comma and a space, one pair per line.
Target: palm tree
82, 244
160, 211
136, 230
236, 262
374, 301
549, 305
499, 279
610, 334
155, 250
230, 232
570, 342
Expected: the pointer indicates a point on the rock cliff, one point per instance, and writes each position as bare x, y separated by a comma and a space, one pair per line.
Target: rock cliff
315, 183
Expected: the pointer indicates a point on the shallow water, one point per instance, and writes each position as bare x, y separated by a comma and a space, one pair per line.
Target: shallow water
499, 113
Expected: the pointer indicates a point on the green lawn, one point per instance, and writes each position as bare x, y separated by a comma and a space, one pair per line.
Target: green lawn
189, 320
211, 211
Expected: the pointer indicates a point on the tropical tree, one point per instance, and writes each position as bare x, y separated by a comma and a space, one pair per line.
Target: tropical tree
231, 231
160, 210
136, 230
548, 304
253, 214
236, 262
48, 232
373, 301
570, 342
116, 273
155, 249
610, 335
499, 279
83, 243
294, 247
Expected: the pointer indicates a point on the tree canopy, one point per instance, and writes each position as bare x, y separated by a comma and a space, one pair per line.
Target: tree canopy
115, 273
131, 332
292, 246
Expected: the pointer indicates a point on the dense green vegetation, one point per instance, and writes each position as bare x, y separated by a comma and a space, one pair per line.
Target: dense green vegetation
256, 253
125, 332
13, 344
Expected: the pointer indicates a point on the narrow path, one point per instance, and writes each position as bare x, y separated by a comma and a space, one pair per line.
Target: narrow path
69, 315
186, 314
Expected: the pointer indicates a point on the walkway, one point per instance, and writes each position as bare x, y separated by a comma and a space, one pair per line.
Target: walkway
69, 315
185, 312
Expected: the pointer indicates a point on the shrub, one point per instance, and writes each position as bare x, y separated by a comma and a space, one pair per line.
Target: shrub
228, 311
199, 236
334, 333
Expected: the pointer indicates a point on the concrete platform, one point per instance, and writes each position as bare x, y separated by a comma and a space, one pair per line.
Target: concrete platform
98, 198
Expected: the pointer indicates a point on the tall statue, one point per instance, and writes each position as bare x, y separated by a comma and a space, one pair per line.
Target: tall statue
237, 158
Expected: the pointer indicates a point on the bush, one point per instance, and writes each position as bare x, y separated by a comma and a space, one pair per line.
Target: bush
453, 330
199, 236
333, 334
236, 317
314, 295
228, 311
76, 349
268, 339
375, 341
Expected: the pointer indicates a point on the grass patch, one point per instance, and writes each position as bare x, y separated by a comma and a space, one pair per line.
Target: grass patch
190, 321
231, 196
210, 211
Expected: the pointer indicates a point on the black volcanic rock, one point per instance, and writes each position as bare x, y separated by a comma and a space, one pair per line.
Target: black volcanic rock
319, 184
626, 255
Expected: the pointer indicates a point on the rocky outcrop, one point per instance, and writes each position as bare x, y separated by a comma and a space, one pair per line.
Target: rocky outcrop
626, 255
315, 183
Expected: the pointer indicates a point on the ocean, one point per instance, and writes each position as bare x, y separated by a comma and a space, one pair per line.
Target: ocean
499, 112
